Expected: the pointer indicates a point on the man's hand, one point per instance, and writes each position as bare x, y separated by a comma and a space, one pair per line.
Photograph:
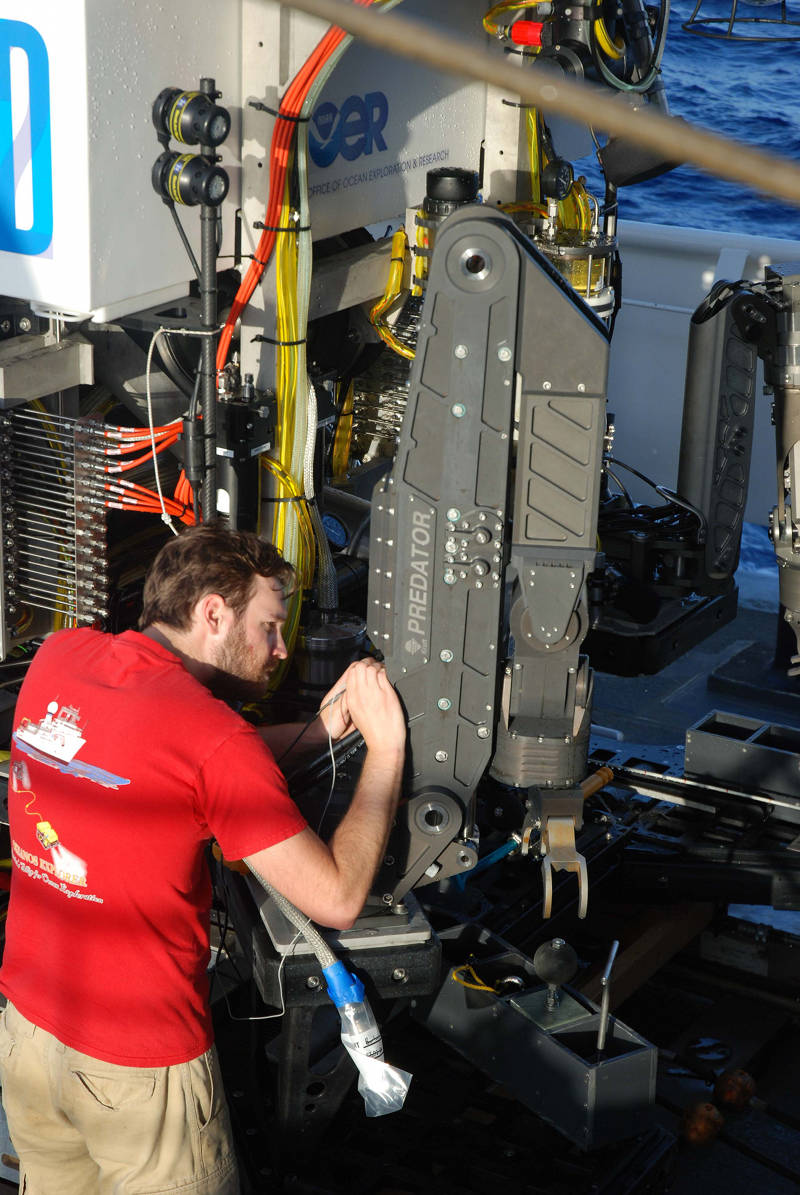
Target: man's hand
363, 699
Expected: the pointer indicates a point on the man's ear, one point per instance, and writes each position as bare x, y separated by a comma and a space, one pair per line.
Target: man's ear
214, 615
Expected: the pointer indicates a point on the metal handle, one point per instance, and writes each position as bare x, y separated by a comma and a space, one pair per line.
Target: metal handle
606, 985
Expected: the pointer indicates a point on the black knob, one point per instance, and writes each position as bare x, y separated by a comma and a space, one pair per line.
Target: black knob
555, 962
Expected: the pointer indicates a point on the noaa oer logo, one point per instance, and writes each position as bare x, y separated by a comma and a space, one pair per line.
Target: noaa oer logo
352, 130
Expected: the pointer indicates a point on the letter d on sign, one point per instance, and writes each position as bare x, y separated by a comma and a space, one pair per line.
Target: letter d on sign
26, 174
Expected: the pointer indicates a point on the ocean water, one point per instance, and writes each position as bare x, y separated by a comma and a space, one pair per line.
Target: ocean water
744, 90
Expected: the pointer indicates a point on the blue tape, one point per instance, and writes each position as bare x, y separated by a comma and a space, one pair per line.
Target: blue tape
343, 987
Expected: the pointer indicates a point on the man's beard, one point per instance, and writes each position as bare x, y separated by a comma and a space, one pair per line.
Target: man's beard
237, 678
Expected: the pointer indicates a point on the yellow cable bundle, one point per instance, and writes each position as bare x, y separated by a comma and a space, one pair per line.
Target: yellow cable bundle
394, 285
306, 558
611, 49
286, 362
340, 455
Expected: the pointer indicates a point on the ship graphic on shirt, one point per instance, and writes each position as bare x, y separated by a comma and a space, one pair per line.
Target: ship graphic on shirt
58, 733
56, 739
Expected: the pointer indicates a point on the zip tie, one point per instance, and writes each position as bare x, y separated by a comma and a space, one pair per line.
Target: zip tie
259, 107
284, 228
280, 343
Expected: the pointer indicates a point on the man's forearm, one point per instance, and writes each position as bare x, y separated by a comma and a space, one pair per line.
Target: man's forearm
331, 881
359, 842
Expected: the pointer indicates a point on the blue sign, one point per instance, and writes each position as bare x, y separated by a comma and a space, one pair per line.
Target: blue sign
352, 130
32, 151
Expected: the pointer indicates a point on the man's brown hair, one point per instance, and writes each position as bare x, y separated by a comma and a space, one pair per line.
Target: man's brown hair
208, 558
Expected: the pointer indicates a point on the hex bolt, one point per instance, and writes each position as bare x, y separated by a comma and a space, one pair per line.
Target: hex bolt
450, 577
461, 351
547, 385
504, 353
483, 732
400, 975
458, 410
441, 757
454, 514
25, 324
445, 655
444, 703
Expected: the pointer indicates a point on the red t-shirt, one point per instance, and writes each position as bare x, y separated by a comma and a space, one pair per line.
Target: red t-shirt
123, 766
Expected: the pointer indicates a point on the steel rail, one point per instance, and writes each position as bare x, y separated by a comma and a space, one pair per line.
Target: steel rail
548, 89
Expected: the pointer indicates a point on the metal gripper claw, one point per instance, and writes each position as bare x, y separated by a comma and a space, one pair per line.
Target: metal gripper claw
559, 853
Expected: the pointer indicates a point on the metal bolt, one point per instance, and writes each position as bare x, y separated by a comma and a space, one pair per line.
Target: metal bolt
483, 732
444, 703
504, 353
458, 410
387, 898
400, 975
389, 861
25, 324
445, 655
461, 351
441, 757
581, 388
547, 385
313, 982
449, 577
454, 514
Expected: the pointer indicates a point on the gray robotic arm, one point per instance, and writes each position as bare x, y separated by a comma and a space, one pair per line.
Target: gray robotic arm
482, 538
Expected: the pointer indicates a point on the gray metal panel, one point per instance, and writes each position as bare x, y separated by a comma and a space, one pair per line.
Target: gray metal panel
436, 592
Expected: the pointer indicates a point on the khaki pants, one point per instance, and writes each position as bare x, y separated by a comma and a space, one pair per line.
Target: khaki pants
83, 1127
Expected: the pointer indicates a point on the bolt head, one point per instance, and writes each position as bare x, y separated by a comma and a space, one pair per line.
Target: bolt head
504, 353
461, 351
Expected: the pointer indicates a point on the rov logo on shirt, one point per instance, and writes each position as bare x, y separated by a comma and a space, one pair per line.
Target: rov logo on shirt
352, 130
26, 173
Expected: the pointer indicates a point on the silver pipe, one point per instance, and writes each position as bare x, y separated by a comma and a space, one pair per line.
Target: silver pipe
606, 1000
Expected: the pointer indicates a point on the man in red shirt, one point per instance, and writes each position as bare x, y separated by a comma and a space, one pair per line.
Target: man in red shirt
125, 763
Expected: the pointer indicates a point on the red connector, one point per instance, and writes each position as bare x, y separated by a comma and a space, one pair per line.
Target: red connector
526, 33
